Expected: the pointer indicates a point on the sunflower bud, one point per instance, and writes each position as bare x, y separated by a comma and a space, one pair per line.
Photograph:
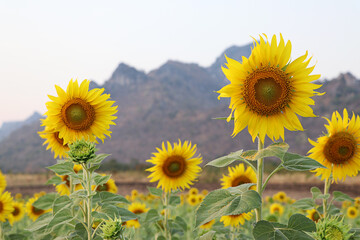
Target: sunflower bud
112, 229
81, 151
332, 228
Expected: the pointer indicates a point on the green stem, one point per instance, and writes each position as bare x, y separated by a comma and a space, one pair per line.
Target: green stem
278, 168
88, 201
166, 215
233, 233
71, 184
326, 191
248, 163
1, 231
259, 176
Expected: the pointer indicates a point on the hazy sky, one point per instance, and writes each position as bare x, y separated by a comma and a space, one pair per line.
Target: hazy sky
43, 43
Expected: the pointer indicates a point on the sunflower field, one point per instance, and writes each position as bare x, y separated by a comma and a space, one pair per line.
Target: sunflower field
267, 93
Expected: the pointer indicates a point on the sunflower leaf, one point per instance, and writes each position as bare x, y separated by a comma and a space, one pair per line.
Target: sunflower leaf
304, 204
98, 159
155, 191
296, 162
54, 180
249, 155
108, 198
274, 150
225, 160
100, 180
45, 202
222, 202
62, 168
152, 216
207, 236
340, 196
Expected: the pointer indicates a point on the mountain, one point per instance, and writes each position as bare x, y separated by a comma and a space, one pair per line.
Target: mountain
175, 101
8, 127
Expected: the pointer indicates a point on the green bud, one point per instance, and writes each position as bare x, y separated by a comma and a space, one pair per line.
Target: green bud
332, 228
81, 151
112, 229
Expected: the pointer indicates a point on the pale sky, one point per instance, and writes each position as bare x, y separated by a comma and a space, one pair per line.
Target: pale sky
43, 43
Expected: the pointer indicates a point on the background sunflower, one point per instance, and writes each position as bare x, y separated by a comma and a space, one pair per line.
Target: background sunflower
238, 175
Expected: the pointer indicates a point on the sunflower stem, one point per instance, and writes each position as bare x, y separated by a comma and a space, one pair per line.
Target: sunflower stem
259, 176
166, 215
89, 202
326, 191
278, 168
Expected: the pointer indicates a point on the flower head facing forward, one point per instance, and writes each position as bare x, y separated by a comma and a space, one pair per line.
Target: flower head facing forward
175, 166
238, 175
267, 90
339, 149
79, 113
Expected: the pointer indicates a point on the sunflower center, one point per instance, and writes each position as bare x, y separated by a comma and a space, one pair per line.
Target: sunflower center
340, 148
138, 211
240, 180
78, 114
1, 207
37, 211
16, 211
267, 91
102, 188
67, 181
352, 212
315, 217
174, 166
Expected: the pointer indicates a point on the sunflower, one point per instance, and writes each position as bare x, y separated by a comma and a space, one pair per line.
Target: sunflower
357, 202
352, 212
193, 191
204, 192
267, 90
79, 113
137, 208
134, 193
18, 213
193, 200
313, 215
238, 175
276, 208
236, 220
208, 225
64, 188
2, 182
109, 186
339, 149
6, 206
175, 167
32, 211
280, 196
55, 143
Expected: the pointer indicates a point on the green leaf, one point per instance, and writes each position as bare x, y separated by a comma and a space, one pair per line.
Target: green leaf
45, 202
301, 223
61, 217
340, 196
81, 231
61, 203
40, 223
100, 180
174, 200
225, 160
161, 238
181, 222
305, 204
263, 230
98, 159
222, 202
108, 198
152, 216
249, 155
54, 180
355, 234
274, 150
296, 162
315, 191
207, 236
80, 194
126, 215
16, 236
62, 168
155, 191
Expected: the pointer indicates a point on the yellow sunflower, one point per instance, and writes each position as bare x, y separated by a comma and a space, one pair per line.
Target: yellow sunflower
208, 225
55, 143
193, 191
357, 202
193, 200
18, 213
352, 212
267, 90
64, 188
313, 215
79, 113
137, 208
238, 175
2, 182
236, 220
276, 208
134, 193
109, 186
175, 167
32, 211
339, 149
6, 206
280, 196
